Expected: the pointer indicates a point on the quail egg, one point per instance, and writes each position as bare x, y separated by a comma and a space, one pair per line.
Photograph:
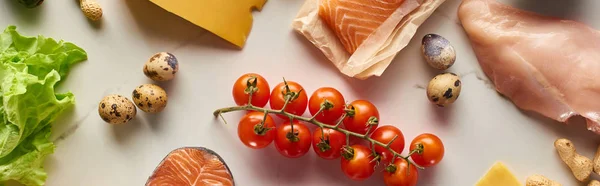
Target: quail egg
438, 52
116, 109
161, 67
444, 89
150, 98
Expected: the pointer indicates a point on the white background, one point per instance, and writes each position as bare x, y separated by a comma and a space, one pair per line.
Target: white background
482, 127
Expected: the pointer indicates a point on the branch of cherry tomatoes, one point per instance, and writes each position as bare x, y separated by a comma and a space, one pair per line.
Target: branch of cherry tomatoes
331, 140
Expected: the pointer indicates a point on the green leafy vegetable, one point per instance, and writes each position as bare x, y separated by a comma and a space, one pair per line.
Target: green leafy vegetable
30, 68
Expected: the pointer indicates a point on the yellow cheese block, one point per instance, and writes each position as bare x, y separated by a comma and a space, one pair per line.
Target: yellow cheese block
498, 175
229, 19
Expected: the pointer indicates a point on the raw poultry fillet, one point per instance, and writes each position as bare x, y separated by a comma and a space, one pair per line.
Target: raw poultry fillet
353, 21
191, 166
542, 64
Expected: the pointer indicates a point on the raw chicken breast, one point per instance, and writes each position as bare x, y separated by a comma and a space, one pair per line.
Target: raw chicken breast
542, 64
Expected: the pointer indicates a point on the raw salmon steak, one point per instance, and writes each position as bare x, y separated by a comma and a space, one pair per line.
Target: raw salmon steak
191, 166
543, 64
353, 21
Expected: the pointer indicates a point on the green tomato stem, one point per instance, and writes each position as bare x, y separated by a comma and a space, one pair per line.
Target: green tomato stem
373, 149
250, 97
391, 141
347, 140
318, 112
341, 120
223, 118
347, 152
419, 149
285, 104
292, 130
262, 123
249, 107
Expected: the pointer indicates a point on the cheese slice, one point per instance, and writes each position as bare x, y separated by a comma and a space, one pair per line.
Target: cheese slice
228, 19
498, 175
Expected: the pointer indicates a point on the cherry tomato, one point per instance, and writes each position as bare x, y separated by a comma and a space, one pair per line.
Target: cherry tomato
385, 134
298, 102
364, 113
328, 143
292, 144
252, 134
249, 82
400, 173
432, 150
328, 97
360, 164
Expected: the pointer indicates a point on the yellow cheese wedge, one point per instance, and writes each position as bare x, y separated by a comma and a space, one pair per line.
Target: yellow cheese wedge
498, 175
229, 19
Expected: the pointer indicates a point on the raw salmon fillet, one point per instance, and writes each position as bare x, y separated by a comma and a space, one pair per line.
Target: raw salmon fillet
353, 21
191, 166
543, 64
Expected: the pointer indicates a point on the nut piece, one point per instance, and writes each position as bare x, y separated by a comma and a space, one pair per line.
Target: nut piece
581, 166
150, 98
594, 183
597, 161
116, 109
91, 9
444, 89
161, 67
539, 180
437, 51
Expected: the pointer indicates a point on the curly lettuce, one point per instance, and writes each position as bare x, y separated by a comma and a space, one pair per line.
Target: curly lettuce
30, 68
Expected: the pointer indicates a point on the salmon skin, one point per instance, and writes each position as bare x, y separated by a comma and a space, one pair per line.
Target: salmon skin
191, 166
353, 21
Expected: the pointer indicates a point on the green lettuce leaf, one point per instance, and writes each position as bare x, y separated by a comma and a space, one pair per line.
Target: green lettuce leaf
30, 68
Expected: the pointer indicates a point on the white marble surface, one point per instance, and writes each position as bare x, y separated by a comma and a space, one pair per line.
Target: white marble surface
481, 128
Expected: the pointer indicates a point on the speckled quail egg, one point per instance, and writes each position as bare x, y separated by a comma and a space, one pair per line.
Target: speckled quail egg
437, 51
150, 98
444, 89
161, 66
116, 109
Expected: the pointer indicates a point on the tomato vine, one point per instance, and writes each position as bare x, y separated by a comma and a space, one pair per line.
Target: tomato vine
324, 106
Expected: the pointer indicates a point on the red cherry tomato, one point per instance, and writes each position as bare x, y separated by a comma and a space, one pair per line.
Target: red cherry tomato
401, 174
253, 135
258, 84
360, 164
385, 134
364, 112
292, 144
328, 143
298, 102
432, 150
334, 99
